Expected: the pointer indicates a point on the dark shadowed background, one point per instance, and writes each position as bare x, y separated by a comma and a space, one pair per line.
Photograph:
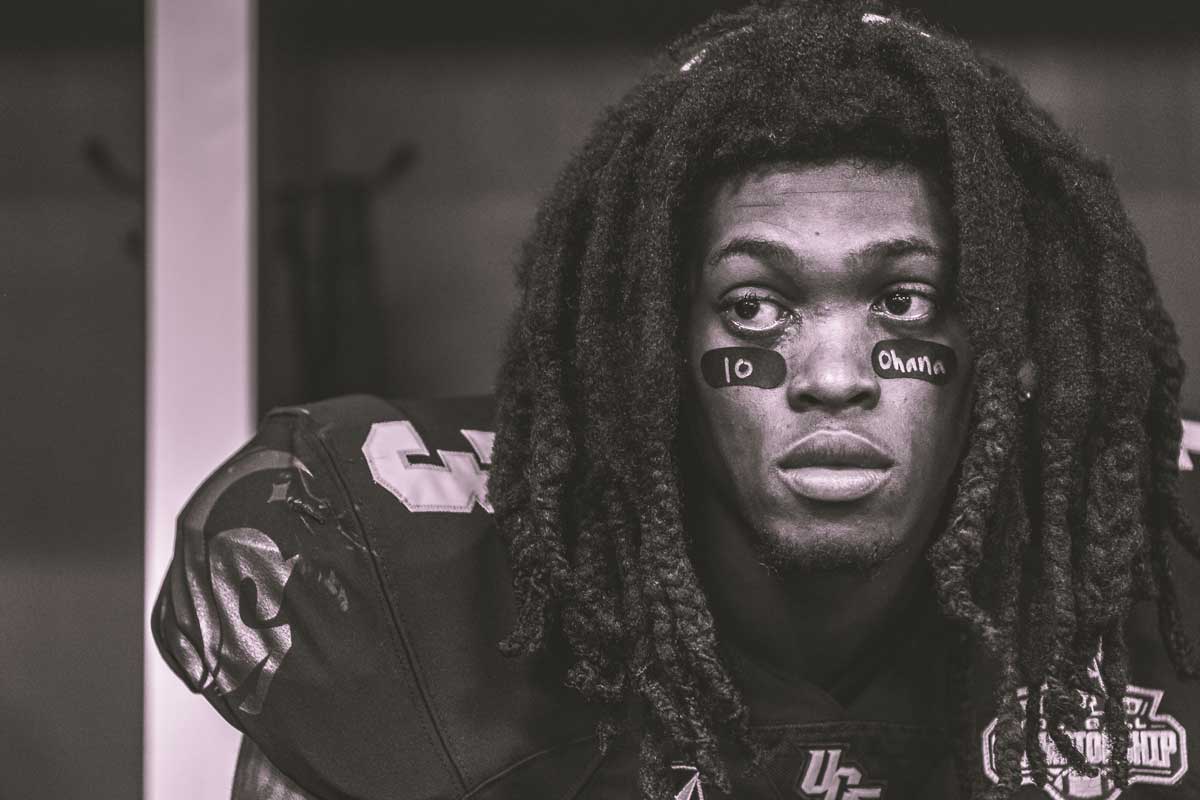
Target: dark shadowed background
402, 151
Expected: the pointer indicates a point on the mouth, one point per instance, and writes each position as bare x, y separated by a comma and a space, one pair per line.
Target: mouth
834, 484
835, 466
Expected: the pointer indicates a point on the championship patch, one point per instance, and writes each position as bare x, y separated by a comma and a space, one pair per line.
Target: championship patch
914, 358
1189, 445
743, 366
1157, 749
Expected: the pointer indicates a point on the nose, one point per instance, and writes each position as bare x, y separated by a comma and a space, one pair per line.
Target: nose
834, 372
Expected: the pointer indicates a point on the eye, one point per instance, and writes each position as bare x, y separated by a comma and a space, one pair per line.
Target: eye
908, 304
753, 314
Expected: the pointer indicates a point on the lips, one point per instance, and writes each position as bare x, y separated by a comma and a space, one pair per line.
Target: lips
835, 466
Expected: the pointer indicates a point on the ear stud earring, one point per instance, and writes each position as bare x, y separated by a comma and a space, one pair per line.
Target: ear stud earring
1026, 381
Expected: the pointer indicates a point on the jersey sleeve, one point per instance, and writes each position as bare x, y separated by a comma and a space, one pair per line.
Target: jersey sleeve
256, 778
272, 609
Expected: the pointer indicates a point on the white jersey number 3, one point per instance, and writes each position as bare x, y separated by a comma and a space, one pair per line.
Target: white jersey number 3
455, 485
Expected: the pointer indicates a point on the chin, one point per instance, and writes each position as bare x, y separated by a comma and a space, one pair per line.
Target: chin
822, 548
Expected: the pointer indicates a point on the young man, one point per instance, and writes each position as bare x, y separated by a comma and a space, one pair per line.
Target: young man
837, 456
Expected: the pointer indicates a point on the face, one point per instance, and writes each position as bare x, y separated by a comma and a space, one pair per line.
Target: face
829, 454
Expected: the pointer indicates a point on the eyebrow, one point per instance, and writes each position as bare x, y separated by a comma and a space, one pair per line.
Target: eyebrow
897, 248
775, 253
765, 250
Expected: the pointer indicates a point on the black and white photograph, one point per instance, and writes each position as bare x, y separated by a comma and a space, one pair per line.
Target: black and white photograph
579, 400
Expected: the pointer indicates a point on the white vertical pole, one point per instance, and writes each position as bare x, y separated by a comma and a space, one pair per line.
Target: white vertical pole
200, 329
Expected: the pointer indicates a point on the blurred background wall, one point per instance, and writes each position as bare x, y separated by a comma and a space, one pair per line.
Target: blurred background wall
71, 388
402, 151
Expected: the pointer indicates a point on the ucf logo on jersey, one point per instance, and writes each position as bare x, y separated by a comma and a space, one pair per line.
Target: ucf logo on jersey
828, 775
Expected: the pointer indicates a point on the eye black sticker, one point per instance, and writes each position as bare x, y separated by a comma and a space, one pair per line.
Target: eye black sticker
914, 358
743, 366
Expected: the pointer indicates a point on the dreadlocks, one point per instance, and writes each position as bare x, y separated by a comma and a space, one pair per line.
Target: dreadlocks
1070, 498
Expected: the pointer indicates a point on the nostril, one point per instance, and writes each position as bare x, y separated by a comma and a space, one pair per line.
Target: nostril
862, 398
833, 388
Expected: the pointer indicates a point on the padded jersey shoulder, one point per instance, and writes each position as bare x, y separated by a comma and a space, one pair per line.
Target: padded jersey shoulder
337, 593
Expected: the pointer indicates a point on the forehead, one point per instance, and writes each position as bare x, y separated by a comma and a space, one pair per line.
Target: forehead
839, 206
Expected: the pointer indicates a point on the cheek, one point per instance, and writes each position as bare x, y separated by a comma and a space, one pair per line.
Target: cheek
733, 387
933, 422
730, 426
721, 413
731, 414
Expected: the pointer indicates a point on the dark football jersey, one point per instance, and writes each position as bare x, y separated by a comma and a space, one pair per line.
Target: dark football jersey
338, 590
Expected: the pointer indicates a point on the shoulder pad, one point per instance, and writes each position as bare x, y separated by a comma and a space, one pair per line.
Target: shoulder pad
337, 593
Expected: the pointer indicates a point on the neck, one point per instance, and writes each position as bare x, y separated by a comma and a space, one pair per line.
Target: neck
808, 625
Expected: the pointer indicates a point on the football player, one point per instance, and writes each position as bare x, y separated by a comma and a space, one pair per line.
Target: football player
836, 455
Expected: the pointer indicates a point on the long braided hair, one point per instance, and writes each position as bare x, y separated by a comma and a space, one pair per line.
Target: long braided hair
1051, 280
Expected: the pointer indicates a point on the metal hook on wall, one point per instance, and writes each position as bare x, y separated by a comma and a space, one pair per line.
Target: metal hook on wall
123, 181
398, 163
